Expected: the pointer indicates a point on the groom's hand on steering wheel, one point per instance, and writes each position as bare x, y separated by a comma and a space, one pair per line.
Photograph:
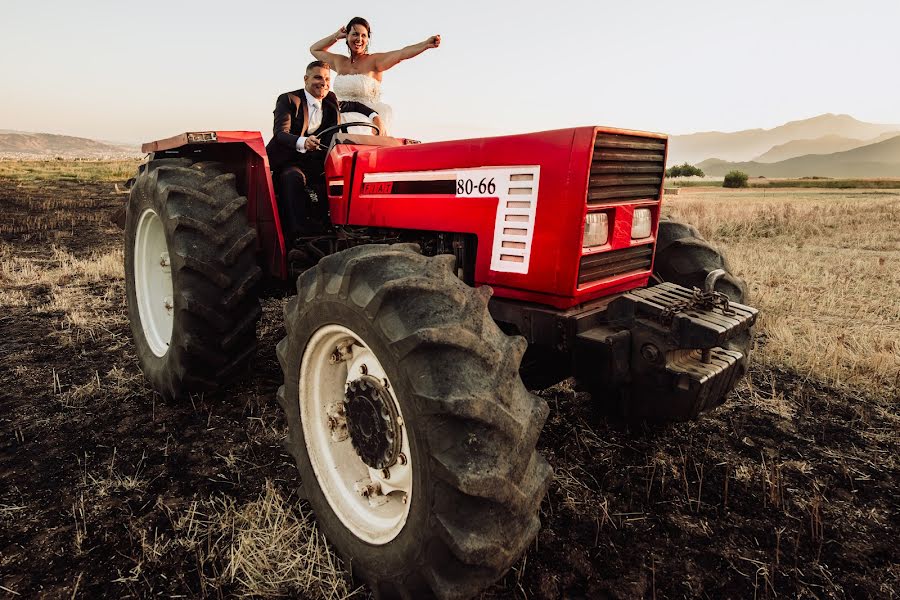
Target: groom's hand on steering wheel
312, 143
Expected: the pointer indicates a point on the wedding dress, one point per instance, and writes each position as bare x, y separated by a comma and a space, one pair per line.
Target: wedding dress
362, 88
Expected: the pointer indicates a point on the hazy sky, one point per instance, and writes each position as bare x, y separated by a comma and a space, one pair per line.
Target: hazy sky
134, 71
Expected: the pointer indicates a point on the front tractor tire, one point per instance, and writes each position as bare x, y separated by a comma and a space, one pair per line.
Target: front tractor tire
684, 257
411, 429
191, 276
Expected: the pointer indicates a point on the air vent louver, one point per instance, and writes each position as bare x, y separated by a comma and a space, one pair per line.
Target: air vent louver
594, 267
625, 168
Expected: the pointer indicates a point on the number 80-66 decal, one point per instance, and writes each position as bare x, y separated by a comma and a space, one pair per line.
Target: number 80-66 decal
469, 186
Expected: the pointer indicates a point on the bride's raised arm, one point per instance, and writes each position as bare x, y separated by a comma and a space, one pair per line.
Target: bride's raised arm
386, 60
320, 49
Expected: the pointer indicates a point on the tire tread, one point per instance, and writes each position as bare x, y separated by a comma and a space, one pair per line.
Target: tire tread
214, 273
485, 504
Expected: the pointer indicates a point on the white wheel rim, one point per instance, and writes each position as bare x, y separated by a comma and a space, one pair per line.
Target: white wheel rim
339, 469
153, 282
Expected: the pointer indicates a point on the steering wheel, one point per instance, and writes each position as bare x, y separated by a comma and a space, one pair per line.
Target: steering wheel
343, 127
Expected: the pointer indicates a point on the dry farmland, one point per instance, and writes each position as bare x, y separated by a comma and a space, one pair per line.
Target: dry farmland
789, 490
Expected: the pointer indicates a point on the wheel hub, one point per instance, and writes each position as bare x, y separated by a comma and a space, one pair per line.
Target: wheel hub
344, 391
373, 422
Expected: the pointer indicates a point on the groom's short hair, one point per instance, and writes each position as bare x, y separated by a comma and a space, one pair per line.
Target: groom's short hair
317, 64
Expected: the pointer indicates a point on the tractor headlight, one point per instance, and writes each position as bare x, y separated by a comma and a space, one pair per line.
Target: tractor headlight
640, 223
596, 229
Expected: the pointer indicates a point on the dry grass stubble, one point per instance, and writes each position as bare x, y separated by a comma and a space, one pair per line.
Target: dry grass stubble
267, 548
71, 170
823, 267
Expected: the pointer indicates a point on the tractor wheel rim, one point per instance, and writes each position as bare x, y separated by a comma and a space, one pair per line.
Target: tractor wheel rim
153, 282
373, 504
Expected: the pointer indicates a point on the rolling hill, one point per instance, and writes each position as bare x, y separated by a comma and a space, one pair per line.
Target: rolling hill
826, 144
748, 144
881, 159
22, 144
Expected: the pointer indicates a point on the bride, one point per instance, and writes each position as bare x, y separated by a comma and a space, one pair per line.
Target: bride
359, 75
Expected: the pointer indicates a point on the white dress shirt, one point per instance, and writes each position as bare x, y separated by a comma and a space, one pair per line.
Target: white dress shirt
314, 106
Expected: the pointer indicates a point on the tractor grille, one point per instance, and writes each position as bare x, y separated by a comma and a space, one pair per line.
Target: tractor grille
594, 267
625, 167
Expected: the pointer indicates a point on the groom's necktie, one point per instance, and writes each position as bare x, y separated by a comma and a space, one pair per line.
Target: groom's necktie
315, 116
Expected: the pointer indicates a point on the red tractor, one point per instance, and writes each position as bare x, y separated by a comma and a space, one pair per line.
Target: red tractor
448, 273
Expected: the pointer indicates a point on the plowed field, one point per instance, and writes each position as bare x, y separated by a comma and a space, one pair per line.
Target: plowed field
106, 491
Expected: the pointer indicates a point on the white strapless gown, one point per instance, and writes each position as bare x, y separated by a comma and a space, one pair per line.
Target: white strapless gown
362, 88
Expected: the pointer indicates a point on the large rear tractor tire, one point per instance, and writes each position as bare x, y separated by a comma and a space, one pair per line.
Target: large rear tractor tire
412, 431
191, 276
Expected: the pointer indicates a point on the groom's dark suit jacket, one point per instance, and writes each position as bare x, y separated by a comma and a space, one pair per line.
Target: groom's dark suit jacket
292, 119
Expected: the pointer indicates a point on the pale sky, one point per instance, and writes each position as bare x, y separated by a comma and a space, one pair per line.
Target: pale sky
136, 71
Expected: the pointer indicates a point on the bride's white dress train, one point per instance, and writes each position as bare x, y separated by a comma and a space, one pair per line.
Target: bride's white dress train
362, 88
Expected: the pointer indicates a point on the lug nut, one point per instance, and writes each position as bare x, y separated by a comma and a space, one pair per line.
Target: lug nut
342, 352
368, 488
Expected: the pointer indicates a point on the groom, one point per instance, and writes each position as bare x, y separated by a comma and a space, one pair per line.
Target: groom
296, 154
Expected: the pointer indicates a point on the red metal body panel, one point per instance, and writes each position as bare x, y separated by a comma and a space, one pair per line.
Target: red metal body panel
262, 207
559, 216
564, 157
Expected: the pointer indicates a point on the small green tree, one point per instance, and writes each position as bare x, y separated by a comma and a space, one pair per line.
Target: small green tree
684, 170
735, 179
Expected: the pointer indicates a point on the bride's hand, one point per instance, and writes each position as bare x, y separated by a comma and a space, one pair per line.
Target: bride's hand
434, 41
340, 33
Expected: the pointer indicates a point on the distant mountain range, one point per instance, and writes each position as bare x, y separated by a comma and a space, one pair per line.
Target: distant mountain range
827, 144
819, 135
22, 144
881, 159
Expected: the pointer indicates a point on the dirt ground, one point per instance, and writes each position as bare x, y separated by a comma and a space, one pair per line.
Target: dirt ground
790, 490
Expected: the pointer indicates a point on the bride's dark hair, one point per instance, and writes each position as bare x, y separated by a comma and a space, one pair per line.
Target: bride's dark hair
364, 23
